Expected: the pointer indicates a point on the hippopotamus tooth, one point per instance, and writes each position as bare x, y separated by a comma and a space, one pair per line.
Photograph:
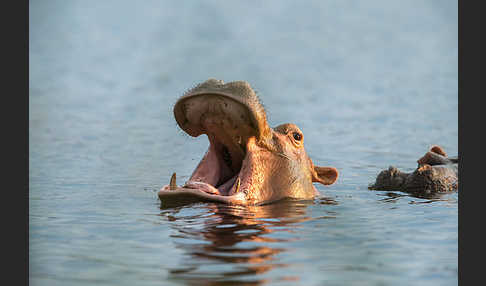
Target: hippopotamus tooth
173, 184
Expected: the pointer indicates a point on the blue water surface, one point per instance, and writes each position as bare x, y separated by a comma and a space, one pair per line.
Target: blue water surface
370, 83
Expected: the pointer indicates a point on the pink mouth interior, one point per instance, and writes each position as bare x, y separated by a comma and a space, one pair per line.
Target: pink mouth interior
227, 124
220, 167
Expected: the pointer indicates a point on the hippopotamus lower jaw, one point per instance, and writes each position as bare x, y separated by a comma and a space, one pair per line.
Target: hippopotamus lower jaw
215, 180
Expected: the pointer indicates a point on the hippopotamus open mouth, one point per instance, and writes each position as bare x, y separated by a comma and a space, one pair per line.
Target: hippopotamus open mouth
247, 161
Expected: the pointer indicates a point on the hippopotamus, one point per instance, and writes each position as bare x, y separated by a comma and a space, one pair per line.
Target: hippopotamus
247, 162
436, 173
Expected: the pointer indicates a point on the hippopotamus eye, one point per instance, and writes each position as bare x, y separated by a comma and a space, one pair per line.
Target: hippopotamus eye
297, 136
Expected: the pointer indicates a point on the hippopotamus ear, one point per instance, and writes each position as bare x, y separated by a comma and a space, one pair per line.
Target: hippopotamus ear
436, 156
438, 150
325, 175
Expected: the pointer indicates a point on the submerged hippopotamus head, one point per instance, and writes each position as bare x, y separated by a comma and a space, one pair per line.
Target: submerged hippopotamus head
247, 161
436, 173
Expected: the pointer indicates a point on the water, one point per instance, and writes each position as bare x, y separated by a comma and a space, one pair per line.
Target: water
371, 84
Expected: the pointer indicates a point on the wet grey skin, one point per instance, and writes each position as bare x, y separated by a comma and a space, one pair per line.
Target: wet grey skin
436, 173
247, 162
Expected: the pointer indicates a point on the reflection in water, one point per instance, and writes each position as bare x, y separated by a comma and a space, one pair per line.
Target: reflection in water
393, 197
235, 243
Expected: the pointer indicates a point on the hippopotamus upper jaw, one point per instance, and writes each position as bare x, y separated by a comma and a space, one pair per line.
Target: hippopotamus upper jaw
236, 101
247, 162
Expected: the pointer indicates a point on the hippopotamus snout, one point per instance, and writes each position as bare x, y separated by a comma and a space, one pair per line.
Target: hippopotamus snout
247, 162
